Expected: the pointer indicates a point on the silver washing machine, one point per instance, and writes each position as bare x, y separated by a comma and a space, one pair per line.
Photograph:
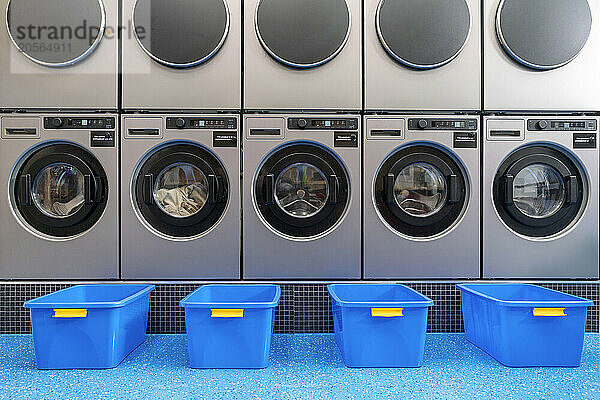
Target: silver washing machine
54, 55
422, 55
540, 197
59, 216
302, 54
182, 54
421, 204
541, 55
180, 197
302, 192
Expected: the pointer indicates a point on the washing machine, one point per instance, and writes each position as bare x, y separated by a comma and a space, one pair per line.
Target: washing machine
540, 197
302, 194
422, 55
59, 54
303, 55
59, 215
541, 55
422, 197
180, 196
183, 54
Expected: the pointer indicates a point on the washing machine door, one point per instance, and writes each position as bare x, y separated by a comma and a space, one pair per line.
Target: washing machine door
56, 33
302, 190
421, 191
540, 191
542, 34
303, 33
59, 190
423, 34
182, 33
181, 190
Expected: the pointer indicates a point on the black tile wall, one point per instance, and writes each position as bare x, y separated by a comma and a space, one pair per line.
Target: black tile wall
303, 308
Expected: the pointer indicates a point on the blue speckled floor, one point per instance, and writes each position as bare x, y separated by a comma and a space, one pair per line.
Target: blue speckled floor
302, 367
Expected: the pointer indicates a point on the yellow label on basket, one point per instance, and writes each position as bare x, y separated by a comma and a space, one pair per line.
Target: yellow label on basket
70, 313
227, 313
549, 312
386, 312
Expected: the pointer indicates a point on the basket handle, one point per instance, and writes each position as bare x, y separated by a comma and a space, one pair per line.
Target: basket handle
227, 313
549, 312
386, 312
70, 313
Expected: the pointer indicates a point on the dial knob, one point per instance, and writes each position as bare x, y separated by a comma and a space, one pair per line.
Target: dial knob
57, 122
542, 124
180, 122
422, 124
302, 123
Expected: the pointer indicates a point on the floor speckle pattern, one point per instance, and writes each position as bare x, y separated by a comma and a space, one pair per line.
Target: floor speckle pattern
301, 367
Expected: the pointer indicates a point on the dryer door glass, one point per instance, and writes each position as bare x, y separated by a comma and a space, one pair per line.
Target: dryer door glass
423, 34
420, 190
182, 33
302, 190
540, 191
59, 190
303, 33
542, 34
56, 33
180, 190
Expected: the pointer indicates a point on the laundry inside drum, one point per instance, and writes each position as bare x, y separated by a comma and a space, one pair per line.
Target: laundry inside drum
181, 190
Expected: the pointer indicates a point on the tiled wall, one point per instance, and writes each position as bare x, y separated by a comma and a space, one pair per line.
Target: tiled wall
304, 307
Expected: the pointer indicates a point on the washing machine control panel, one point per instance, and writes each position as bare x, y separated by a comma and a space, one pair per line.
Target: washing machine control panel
62, 122
438, 124
350, 124
201, 123
561, 125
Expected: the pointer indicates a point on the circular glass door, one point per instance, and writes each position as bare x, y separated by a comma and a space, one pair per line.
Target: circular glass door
56, 33
303, 33
302, 190
540, 191
421, 191
180, 190
59, 190
182, 33
423, 34
542, 34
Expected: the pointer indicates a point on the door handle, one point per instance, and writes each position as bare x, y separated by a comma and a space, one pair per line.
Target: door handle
97, 191
147, 188
572, 189
213, 188
25, 190
508, 189
269, 187
88, 189
390, 180
333, 189
454, 189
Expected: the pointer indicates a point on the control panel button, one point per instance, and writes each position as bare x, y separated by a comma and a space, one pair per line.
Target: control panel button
422, 124
543, 124
180, 123
302, 123
57, 122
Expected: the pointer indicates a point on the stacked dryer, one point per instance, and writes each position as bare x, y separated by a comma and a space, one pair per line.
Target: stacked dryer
540, 182
302, 183
58, 152
180, 165
421, 142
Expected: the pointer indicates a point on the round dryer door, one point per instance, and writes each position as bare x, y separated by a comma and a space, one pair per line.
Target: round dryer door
56, 33
423, 34
182, 33
540, 191
59, 190
302, 190
181, 190
303, 33
542, 34
421, 191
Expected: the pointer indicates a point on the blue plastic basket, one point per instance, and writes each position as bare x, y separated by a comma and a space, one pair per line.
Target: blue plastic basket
230, 326
524, 325
379, 325
89, 326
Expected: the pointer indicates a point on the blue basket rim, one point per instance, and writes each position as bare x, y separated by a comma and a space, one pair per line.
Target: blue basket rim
577, 302
426, 302
186, 303
40, 303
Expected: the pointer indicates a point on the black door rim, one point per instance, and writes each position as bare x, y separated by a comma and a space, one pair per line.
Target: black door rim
441, 222
567, 216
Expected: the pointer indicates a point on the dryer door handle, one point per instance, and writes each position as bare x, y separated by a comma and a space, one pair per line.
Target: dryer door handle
508, 189
454, 189
334, 186
269, 189
390, 180
25, 190
88, 189
213, 197
572, 189
147, 188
